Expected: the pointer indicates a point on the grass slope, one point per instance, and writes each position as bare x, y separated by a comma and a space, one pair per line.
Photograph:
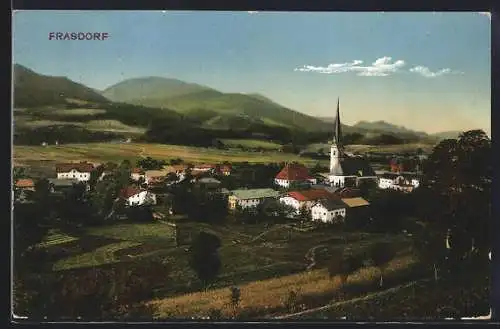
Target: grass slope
133, 151
33, 89
237, 105
150, 88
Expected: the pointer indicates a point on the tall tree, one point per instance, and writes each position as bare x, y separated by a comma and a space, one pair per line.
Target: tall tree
457, 185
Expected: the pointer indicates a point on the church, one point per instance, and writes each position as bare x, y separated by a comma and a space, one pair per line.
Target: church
346, 171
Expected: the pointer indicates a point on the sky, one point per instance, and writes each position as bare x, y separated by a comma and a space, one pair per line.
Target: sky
426, 71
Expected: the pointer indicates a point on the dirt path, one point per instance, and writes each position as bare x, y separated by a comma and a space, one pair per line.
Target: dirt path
354, 300
311, 256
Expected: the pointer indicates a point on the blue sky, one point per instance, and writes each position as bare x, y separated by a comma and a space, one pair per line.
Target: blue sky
426, 71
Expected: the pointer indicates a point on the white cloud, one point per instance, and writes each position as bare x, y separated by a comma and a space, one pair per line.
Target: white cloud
379, 68
426, 72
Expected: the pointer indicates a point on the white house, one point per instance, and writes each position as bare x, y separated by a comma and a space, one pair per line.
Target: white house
251, 197
329, 211
307, 198
80, 171
137, 173
135, 196
205, 167
405, 182
294, 173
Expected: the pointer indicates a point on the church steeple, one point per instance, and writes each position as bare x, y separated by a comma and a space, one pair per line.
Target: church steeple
337, 138
337, 149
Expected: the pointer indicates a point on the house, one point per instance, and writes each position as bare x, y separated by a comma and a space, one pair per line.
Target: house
346, 170
135, 196
356, 202
348, 192
247, 198
155, 176
204, 167
294, 174
405, 182
208, 182
80, 171
25, 184
137, 173
329, 211
307, 198
225, 169
57, 185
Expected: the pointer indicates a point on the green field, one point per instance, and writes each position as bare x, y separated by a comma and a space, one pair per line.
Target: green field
248, 252
388, 149
133, 151
251, 143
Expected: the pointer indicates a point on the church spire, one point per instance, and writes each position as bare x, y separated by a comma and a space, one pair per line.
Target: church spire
337, 138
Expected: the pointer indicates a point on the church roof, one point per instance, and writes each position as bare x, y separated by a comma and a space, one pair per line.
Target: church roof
348, 166
294, 172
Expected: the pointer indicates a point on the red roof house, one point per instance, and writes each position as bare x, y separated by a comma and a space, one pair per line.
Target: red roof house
25, 183
293, 173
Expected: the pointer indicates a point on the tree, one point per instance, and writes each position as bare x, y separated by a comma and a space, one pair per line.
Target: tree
342, 264
381, 253
457, 183
430, 249
205, 259
304, 214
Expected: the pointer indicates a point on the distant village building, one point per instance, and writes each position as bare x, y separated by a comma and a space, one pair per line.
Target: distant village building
247, 198
137, 173
405, 182
329, 211
57, 185
152, 177
305, 199
346, 170
135, 196
205, 167
208, 183
225, 169
294, 174
25, 184
80, 171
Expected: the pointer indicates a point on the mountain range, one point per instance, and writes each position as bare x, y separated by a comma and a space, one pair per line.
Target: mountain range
208, 107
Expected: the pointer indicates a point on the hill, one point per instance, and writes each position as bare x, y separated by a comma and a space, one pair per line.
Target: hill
382, 126
447, 134
251, 107
33, 89
150, 88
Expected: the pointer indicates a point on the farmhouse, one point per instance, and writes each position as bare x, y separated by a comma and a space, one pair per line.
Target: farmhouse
80, 171
208, 183
204, 167
137, 173
305, 199
294, 174
25, 184
57, 185
329, 211
405, 182
135, 196
155, 176
251, 197
225, 169
346, 170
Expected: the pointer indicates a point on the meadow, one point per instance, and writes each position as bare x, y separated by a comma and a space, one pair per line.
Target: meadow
101, 152
265, 262
251, 143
